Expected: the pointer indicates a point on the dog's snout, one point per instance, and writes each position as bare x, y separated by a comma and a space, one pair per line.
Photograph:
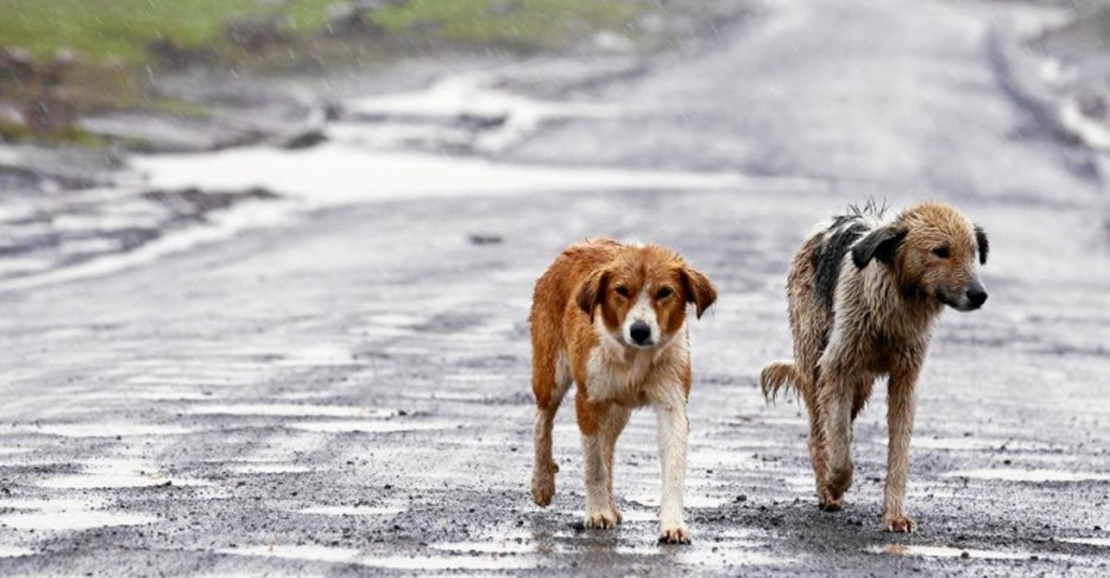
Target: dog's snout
977, 295
640, 333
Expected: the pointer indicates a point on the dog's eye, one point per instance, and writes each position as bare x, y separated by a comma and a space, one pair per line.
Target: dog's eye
622, 290
664, 292
941, 252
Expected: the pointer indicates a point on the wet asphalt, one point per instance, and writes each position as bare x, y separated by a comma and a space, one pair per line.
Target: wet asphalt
347, 393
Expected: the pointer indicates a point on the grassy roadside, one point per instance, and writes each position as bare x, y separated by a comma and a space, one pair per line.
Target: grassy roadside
118, 43
117, 31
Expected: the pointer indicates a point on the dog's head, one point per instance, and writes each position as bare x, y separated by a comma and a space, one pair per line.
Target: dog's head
642, 294
933, 250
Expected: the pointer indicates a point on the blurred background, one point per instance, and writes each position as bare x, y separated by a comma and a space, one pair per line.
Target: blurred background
266, 265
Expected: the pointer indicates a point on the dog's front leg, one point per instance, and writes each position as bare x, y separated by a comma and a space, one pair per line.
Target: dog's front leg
674, 429
596, 422
901, 402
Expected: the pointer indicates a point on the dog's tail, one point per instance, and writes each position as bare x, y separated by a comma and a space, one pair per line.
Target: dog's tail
776, 376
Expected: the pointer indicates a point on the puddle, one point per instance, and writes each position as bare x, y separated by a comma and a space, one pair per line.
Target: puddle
14, 551
502, 547
191, 380
116, 475
428, 563
351, 426
947, 552
1101, 542
313, 553
689, 501
972, 444
93, 430
409, 175
318, 356
352, 556
59, 521
290, 410
1035, 476
272, 468
449, 396
352, 511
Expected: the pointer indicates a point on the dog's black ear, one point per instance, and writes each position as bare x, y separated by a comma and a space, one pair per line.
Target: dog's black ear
699, 289
878, 244
984, 244
591, 291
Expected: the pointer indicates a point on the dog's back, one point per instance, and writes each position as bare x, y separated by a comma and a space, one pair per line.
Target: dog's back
815, 275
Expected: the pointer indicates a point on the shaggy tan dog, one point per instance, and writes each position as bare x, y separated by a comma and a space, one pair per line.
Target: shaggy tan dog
612, 319
863, 295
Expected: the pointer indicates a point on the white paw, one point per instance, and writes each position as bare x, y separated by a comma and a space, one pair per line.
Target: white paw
608, 518
674, 534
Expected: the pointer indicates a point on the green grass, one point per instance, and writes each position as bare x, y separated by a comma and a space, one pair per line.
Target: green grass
111, 39
535, 23
104, 30
118, 30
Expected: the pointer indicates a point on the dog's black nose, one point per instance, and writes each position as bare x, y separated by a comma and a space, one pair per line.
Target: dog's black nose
977, 296
640, 333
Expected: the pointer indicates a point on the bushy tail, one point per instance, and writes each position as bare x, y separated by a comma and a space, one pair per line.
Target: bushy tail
778, 375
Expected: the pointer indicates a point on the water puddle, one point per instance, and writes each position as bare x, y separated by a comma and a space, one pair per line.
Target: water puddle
1101, 542
67, 514
74, 520
492, 547
290, 410
689, 501
103, 430
396, 562
353, 510
405, 175
117, 475
946, 552
465, 109
14, 551
1033, 476
320, 355
490, 562
352, 426
272, 468
973, 444
289, 552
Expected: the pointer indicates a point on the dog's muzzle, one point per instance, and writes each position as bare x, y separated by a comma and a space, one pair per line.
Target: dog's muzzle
640, 333
972, 298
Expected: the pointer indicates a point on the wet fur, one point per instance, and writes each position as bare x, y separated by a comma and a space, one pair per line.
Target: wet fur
863, 293
578, 326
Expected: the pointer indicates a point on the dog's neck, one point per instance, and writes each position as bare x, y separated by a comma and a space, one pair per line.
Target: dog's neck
892, 305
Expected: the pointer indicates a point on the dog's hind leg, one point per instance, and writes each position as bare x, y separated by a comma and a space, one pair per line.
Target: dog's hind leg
550, 382
900, 413
817, 452
835, 396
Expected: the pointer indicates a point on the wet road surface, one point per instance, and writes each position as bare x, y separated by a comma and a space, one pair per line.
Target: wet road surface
347, 392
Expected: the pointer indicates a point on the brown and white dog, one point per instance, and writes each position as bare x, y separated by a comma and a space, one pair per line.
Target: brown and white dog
863, 295
611, 318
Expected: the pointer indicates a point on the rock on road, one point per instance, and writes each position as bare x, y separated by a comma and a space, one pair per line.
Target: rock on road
348, 393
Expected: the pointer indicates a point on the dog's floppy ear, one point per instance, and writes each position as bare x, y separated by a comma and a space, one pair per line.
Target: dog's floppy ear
879, 244
699, 289
591, 291
984, 244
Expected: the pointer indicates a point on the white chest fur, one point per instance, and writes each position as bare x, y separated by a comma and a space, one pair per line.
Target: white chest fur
633, 377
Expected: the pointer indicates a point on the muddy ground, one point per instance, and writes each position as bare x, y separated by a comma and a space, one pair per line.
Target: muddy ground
345, 391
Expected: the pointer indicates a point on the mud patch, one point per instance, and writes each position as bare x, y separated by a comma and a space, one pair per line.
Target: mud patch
947, 552
1030, 476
